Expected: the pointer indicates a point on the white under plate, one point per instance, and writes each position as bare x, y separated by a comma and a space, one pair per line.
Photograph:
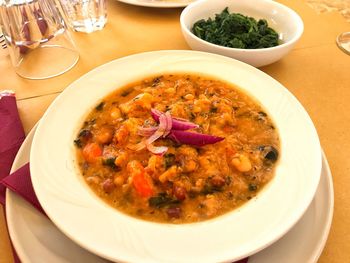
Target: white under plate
159, 3
36, 239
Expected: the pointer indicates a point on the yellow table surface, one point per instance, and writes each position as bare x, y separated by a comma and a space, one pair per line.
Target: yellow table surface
316, 72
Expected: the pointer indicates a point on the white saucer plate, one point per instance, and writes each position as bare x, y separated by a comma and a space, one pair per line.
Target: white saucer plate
37, 240
105, 231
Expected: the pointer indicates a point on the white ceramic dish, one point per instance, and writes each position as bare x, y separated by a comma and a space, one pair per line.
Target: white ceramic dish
32, 234
158, 3
281, 18
94, 225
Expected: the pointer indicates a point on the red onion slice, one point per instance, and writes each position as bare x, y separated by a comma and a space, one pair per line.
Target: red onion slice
177, 123
156, 114
137, 147
146, 132
155, 136
158, 150
193, 138
169, 124
161, 130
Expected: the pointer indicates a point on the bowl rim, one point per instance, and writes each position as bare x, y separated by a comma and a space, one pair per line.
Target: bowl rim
295, 15
42, 190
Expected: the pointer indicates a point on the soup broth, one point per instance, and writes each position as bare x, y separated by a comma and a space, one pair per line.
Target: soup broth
177, 179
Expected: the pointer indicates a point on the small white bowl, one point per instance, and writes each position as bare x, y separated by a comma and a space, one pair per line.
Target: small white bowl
284, 20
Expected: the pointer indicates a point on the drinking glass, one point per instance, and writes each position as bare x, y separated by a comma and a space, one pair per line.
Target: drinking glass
85, 15
37, 38
343, 42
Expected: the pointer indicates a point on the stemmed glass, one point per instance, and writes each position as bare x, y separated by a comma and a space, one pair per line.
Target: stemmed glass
343, 42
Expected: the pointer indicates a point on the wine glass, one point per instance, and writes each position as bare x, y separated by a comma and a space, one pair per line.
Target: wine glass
343, 42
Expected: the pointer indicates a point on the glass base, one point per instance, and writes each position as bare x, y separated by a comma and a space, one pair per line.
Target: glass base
343, 42
89, 25
47, 61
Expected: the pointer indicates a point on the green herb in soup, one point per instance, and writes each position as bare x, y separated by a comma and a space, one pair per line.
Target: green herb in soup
177, 148
236, 31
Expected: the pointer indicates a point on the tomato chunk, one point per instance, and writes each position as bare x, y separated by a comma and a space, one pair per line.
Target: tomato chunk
91, 152
141, 182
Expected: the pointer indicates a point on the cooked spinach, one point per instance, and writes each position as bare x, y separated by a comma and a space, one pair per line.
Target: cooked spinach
156, 81
272, 154
228, 180
210, 189
78, 143
99, 107
252, 187
269, 153
126, 92
162, 200
169, 160
236, 30
192, 116
89, 123
213, 109
83, 136
109, 161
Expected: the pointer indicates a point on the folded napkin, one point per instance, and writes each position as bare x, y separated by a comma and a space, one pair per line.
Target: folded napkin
11, 138
11, 135
21, 183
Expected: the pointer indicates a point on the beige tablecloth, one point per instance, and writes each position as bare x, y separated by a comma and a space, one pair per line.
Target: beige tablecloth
316, 72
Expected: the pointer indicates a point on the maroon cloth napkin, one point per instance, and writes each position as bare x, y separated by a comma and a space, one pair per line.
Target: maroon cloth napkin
11, 137
21, 183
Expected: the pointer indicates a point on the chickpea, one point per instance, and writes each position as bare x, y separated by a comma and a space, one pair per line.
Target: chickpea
203, 103
189, 97
145, 100
152, 162
196, 109
191, 165
121, 159
119, 180
212, 205
198, 185
121, 135
93, 180
224, 119
241, 163
104, 135
170, 90
204, 162
203, 97
200, 182
169, 174
115, 113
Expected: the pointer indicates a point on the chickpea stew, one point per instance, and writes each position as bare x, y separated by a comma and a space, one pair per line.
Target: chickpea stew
177, 148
